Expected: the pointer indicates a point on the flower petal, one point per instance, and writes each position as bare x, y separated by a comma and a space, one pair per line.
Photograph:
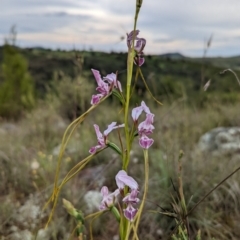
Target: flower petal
97, 76
136, 112
122, 180
111, 127
130, 212
108, 198
145, 142
140, 61
145, 107
96, 99
103, 87
104, 191
146, 126
131, 197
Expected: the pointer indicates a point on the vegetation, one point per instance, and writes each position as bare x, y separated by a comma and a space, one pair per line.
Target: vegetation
17, 86
169, 76
28, 147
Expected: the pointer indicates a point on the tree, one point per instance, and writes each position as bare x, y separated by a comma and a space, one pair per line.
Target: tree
17, 87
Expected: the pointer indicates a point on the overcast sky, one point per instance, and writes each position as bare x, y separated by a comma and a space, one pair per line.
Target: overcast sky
169, 26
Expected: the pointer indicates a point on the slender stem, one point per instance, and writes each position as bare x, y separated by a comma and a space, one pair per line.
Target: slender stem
146, 168
201, 200
131, 54
181, 194
124, 223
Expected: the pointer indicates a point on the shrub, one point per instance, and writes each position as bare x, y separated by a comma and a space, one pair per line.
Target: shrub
17, 87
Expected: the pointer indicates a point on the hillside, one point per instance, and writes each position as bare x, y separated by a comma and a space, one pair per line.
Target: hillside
169, 76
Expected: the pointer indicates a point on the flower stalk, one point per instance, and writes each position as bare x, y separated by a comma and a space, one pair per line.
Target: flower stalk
146, 179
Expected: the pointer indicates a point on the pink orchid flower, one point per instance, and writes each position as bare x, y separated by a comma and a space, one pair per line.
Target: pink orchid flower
112, 80
130, 212
96, 99
137, 111
102, 137
131, 197
138, 47
145, 142
101, 141
122, 180
146, 126
108, 198
140, 42
139, 60
105, 85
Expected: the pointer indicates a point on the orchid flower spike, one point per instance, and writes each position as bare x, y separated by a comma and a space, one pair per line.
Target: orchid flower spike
146, 127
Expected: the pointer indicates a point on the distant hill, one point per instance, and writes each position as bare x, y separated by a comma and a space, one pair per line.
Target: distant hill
169, 75
172, 56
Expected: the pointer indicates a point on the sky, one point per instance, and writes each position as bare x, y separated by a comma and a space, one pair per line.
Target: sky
182, 26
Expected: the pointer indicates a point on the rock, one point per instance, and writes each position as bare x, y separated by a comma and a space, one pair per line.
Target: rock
116, 237
20, 235
56, 150
92, 199
70, 149
221, 141
28, 214
43, 234
9, 127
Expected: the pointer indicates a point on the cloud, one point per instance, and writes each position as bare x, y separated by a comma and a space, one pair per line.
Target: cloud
169, 26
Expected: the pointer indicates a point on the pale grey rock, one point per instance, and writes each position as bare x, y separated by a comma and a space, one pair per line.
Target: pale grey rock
221, 141
60, 126
116, 237
28, 213
9, 127
70, 149
21, 235
13, 229
56, 150
43, 234
92, 199
26, 220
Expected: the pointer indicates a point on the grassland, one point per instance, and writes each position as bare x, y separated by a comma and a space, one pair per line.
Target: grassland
29, 147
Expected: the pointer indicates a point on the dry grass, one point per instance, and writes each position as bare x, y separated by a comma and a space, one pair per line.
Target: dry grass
28, 162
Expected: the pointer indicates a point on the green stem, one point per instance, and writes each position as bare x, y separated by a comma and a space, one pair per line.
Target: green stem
146, 168
115, 213
124, 223
131, 54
